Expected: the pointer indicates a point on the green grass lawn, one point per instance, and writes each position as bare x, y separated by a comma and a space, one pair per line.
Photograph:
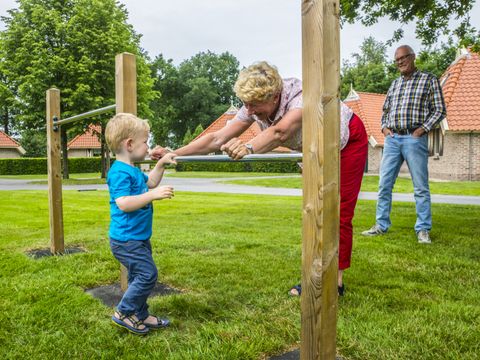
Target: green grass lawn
235, 263
370, 183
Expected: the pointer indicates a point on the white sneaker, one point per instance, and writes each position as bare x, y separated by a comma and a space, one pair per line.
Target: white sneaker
423, 237
373, 231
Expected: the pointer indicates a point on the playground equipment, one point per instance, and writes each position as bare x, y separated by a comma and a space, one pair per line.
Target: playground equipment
321, 151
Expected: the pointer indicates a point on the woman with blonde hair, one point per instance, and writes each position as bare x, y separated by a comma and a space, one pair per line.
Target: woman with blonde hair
275, 104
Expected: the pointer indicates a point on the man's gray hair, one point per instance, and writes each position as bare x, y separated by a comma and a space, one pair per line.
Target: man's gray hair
408, 47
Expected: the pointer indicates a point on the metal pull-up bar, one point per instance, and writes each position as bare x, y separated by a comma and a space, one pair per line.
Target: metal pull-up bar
247, 158
88, 114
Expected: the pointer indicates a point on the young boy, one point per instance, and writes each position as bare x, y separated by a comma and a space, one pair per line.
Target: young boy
131, 214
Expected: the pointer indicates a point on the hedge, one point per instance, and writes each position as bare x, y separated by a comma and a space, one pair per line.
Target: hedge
27, 166
268, 167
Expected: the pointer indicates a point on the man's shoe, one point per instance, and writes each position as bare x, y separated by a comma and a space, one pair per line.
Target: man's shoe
423, 237
373, 231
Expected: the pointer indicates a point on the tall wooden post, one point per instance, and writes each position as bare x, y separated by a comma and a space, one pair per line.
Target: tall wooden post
321, 74
54, 173
126, 102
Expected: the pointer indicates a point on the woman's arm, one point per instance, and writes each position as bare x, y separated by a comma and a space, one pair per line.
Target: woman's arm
208, 143
269, 138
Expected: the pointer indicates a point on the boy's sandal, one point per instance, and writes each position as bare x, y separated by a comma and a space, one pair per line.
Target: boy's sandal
161, 323
295, 290
134, 328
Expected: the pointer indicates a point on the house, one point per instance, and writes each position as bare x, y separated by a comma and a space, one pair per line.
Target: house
86, 144
9, 148
456, 143
247, 135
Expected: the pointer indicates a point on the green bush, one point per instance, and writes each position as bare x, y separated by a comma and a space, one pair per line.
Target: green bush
269, 167
23, 166
27, 166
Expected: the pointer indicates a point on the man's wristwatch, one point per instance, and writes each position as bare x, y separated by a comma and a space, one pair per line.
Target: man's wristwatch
249, 148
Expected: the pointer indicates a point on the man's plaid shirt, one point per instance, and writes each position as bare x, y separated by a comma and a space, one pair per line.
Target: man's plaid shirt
412, 103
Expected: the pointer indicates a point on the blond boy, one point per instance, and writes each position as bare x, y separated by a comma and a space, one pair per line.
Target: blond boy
131, 213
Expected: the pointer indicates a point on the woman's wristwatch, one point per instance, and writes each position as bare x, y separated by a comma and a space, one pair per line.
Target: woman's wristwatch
249, 148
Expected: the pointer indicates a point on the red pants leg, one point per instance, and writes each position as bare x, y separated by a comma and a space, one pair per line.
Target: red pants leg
353, 158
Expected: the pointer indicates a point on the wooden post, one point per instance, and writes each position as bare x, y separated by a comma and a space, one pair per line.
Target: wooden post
54, 173
126, 102
321, 60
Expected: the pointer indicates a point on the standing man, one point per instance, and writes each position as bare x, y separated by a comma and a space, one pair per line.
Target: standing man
413, 106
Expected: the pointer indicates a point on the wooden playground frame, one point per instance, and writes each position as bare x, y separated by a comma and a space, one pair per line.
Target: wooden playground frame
321, 119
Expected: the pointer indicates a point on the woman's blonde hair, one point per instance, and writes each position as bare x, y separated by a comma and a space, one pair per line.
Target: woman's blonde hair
123, 126
259, 82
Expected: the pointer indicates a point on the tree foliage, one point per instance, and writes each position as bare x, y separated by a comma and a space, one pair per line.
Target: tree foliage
195, 93
432, 18
371, 70
70, 45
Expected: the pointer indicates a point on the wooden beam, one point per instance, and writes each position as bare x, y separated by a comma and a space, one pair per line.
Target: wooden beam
54, 173
126, 102
320, 43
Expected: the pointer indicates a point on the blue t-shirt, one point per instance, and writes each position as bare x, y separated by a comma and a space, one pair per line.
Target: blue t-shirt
126, 180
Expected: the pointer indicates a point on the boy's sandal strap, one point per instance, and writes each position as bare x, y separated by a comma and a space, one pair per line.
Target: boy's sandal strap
135, 323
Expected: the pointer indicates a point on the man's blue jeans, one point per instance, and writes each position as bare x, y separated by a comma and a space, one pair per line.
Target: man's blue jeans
415, 152
136, 256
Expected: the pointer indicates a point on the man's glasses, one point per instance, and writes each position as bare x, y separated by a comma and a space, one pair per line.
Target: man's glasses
400, 59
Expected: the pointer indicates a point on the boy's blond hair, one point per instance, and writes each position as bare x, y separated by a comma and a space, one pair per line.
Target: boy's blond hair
123, 126
259, 82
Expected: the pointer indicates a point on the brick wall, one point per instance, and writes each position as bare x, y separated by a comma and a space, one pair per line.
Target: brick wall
9, 153
78, 153
460, 160
374, 158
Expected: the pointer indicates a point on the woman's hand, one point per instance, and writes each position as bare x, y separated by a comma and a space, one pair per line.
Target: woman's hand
158, 152
235, 148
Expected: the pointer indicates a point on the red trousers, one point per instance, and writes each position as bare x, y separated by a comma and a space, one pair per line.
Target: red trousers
353, 158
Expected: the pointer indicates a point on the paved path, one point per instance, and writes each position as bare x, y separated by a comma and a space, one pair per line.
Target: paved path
216, 186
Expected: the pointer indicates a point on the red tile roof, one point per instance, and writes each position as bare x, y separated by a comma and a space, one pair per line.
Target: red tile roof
247, 135
461, 89
368, 106
87, 140
7, 142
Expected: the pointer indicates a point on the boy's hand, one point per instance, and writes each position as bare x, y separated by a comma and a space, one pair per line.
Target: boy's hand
167, 159
162, 192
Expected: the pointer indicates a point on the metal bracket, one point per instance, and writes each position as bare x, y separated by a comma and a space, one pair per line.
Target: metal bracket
55, 126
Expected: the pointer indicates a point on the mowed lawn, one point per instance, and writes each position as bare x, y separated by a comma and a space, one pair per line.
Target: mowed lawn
370, 183
235, 257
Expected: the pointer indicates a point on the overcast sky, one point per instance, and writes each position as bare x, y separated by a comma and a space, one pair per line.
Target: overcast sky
251, 30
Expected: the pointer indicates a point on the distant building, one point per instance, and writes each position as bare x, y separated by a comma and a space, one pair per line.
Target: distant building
9, 148
369, 107
86, 144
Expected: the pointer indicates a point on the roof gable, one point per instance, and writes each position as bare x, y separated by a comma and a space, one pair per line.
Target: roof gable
87, 140
369, 107
6, 142
461, 89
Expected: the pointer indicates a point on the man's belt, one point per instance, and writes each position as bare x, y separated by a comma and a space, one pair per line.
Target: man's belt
404, 131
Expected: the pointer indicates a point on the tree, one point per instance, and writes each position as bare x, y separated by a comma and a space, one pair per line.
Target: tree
370, 71
432, 17
70, 45
437, 60
194, 93
189, 136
